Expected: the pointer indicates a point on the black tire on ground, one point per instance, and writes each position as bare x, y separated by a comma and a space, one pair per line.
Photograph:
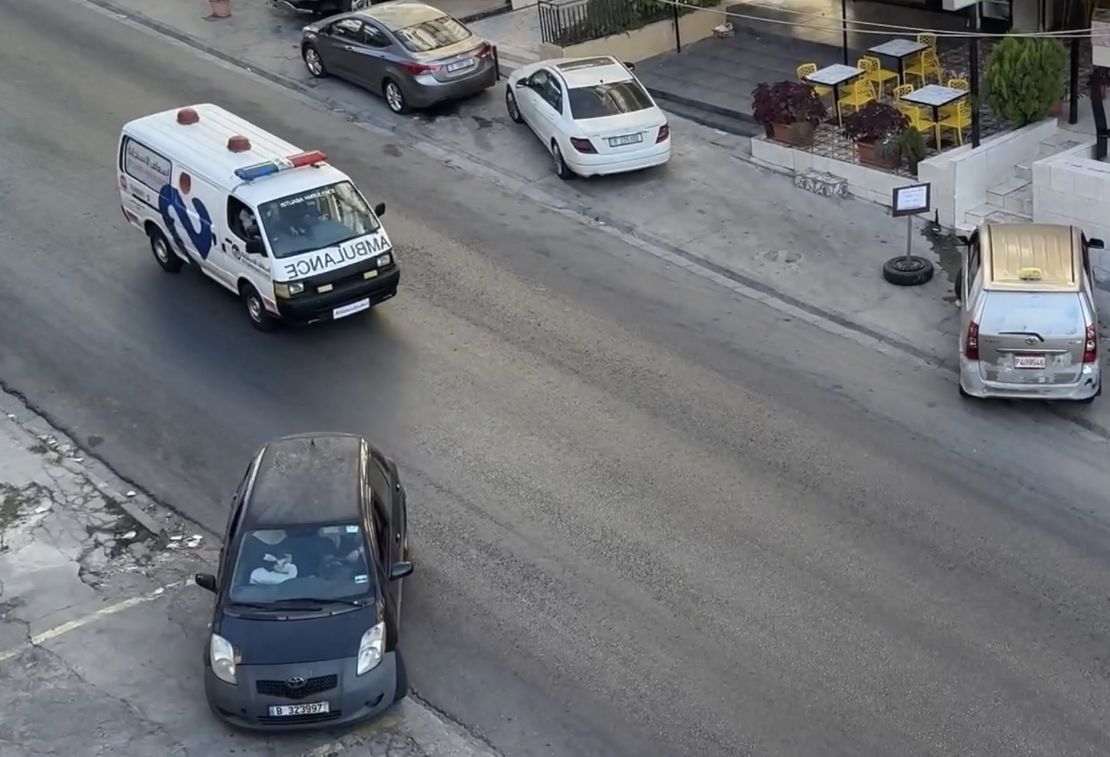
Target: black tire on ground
511, 106
562, 170
256, 310
313, 62
394, 97
163, 252
402, 679
958, 284
909, 271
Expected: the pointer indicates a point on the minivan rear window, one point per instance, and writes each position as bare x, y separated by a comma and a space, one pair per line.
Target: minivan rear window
432, 35
1044, 313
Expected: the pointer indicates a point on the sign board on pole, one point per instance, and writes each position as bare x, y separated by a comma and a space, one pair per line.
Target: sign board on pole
911, 200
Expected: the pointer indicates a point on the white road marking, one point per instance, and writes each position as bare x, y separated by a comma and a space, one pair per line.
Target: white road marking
72, 625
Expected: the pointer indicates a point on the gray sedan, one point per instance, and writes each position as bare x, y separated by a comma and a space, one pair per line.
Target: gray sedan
412, 54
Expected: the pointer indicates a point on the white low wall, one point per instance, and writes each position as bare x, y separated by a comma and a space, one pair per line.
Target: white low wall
864, 182
961, 177
1073, 188
518, 4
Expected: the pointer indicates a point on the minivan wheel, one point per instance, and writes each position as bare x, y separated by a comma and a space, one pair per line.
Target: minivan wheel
394, 96
256, 309
313, 62
163, 253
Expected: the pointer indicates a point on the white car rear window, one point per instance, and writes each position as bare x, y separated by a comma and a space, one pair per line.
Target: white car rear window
603, 100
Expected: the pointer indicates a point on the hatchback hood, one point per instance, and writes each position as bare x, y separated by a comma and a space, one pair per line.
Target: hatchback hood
312, 638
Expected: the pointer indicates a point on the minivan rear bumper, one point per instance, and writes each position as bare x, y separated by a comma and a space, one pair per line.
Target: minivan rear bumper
972, 382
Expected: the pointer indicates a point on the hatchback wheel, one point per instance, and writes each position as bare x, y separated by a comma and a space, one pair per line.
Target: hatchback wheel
511, 106
394, 97
313, 62
561, 168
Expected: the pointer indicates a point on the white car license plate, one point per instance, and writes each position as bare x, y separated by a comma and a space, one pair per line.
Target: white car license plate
1029, 361
459, 65
309, 708
354, 307
627, 139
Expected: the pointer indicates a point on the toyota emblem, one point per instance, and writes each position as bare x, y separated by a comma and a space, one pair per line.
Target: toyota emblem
296, 682
1030, 340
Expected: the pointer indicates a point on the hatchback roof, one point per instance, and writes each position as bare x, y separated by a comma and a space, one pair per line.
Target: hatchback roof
400, 15
306, 478
586, 72
1032, 257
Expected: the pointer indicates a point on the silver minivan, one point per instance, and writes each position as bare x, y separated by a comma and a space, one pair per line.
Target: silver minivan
1028, 321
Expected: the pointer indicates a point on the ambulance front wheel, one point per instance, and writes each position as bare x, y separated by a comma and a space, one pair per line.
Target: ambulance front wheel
256, 309
163, 253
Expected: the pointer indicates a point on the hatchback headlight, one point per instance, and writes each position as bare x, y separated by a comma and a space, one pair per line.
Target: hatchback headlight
370, 649
286, 289
384, 260
223, 658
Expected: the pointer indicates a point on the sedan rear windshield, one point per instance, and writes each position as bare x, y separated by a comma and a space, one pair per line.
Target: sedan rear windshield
1045, 313
601, 100
319, 563
432, 35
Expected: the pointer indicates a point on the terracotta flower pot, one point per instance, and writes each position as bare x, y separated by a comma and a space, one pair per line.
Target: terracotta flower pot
796, 137
220, 8
870, 155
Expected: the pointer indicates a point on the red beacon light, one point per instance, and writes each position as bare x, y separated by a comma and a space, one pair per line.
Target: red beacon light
238, 143
187, 116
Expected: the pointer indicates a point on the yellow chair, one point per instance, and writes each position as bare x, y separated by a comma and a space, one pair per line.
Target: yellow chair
878, 75
807, 69
919, 118
957, 122
926, 63
960, 84
855, 95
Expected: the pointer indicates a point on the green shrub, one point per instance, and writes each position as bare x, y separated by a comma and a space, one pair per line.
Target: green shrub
911, 145
1025, 78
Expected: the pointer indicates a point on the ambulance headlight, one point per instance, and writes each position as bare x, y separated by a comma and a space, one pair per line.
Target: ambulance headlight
384, 260
286, 289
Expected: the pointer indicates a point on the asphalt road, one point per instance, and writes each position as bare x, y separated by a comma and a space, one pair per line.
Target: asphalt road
651, 516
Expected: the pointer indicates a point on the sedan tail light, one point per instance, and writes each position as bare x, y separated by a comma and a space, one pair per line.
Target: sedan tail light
582, 145
484, 51
971, 343
1090, 346
416, 69
664, 133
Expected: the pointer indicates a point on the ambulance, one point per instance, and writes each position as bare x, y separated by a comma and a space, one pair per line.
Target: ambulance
284, 230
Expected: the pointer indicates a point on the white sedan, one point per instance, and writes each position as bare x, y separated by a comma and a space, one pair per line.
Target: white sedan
592, 114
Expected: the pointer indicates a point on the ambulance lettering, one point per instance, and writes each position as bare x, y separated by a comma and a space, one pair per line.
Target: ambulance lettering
327, 260
169, 198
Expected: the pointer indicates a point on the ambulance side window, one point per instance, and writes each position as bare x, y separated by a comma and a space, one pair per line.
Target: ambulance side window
241, 220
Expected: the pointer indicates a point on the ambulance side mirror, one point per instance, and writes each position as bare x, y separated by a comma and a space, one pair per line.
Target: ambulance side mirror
379, 209
255, 247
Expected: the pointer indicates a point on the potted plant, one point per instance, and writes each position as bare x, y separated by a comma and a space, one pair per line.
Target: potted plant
911, 146
875, 128
1025, 78
789, 111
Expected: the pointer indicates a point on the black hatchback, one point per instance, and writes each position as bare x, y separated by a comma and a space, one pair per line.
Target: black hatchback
308, 589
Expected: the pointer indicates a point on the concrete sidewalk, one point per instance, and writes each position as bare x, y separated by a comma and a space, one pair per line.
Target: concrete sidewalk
102, 631
710, 206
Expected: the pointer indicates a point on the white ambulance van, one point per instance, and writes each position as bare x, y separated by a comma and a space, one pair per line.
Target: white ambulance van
288, 233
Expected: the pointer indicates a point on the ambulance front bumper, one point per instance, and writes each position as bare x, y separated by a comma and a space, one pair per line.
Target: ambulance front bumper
342, 301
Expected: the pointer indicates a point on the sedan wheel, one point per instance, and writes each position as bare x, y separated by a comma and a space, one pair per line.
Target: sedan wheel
314, 62
394, 97
561, 168
511, 106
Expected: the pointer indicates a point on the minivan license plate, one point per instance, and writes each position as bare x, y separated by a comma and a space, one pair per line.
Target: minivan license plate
288, 710
1029, 361
627, 139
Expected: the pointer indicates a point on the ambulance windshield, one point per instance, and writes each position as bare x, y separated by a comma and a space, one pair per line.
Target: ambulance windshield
318, 218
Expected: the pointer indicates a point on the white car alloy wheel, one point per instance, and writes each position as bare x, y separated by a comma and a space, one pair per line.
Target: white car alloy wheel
511, 106
561, 169
313, 62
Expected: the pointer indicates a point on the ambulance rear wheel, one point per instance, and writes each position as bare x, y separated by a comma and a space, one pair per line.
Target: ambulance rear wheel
256, 309
163, 253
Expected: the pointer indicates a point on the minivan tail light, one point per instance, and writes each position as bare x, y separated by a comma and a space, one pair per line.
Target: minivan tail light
416, 69
971, 343
1090, 346
664, 133
582, 145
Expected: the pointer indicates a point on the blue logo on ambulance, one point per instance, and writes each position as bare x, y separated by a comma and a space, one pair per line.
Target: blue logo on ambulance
170, 198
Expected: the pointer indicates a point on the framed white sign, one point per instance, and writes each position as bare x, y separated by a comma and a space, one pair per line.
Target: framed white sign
910, 200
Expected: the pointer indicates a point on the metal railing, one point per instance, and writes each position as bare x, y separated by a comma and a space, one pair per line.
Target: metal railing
570, 22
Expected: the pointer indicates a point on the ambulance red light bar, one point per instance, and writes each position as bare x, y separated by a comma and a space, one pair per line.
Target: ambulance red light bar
257, 171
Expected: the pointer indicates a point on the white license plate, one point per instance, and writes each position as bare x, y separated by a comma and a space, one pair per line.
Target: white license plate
459, 65
627, 139
309, 708
1029, 361
354, 307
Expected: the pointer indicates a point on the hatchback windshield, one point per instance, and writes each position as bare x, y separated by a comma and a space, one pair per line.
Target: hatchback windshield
601, 100
314, 563
432, 35
321, 217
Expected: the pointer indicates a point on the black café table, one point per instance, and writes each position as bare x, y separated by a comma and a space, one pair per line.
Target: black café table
936, 97
899, 50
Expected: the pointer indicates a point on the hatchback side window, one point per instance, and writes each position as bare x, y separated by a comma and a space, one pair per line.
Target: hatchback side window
374, 37
348, 28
